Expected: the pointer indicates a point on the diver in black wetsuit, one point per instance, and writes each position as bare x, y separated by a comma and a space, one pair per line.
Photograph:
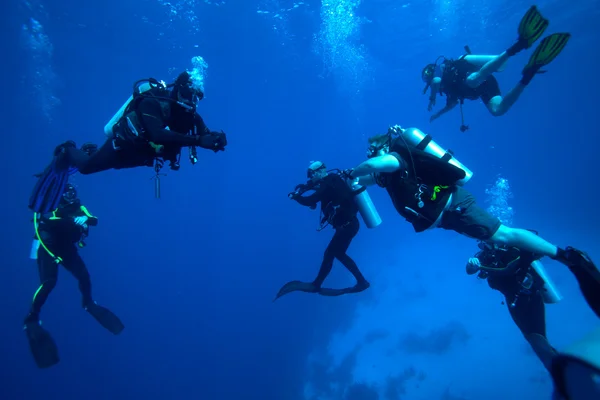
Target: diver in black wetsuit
509, 270
58, 236
140, 136
338, 210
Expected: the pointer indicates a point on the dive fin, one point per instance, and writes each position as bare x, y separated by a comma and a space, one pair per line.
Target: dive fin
359, 287
296, 286
106, 318
49, 188
532, 27
42, 346
544, 54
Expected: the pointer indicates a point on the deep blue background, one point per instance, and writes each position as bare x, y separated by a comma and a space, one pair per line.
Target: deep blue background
193, 274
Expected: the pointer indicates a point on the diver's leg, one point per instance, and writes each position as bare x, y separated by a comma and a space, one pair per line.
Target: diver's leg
494, 65
76, 266
327, 263
524, 240
499, 105
529, 313
48, 273
103, 159
348, 233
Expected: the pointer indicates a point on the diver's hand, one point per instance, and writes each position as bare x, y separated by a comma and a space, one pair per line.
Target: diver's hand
80, 220
220, 141
431, 103
347, 173
473, 265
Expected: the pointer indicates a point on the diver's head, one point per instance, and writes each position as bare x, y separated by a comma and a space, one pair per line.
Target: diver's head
69, 195
428, 72
378, 145
186, 93
317, 170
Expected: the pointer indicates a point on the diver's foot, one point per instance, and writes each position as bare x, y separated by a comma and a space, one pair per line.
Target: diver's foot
63, 146
89, 148
361, 286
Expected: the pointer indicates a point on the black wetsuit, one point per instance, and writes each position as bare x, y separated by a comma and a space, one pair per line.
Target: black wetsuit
62, 237
454, 84
522, 288
339, 210
150, 115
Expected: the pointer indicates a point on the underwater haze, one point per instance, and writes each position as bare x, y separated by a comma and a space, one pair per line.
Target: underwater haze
193, 274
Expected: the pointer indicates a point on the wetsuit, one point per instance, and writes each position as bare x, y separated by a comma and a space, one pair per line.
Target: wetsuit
454, 84
339, 210
62, 237
424, 192
140, 137
522, 288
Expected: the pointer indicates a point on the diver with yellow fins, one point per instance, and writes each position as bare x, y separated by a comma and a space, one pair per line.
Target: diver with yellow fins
339, 203
470, 77
527, 288
424, 182
152, 127
58, 236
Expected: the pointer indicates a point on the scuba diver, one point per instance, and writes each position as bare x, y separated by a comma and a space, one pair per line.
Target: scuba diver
514, 273
152, 127
58, 235
424, 182
471, 76
338, 209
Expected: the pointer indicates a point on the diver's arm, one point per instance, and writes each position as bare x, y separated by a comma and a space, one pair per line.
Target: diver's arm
208, 139
435, 88
386, 163
151, 114
311, 200
367, 180
450, 104
201, 128
91, 221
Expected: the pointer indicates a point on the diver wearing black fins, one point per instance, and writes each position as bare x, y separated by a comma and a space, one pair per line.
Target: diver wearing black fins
338, 209
470, 77
152, 127
526, 287
58, 235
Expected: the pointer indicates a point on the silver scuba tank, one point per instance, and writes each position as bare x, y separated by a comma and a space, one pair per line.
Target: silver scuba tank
108, 128
35, 246
365, 205
550, 291
422, 141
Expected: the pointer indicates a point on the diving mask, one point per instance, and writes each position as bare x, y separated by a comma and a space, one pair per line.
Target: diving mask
70, 194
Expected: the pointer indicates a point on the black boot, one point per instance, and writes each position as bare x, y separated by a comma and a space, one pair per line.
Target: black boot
586, 273
89, 148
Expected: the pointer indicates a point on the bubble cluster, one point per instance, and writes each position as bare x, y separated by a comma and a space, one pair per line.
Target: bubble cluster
497, 198
198, 73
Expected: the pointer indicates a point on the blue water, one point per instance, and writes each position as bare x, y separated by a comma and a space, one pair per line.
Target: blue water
193, 274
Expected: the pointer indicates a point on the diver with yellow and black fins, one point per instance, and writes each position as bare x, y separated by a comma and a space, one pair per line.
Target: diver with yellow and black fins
527, 288
152, 127
340, 203
424, 182
58, 235
470, 77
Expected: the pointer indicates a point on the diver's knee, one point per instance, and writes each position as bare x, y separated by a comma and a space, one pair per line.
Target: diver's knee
502, 235
49, 284
473, 80
496, 107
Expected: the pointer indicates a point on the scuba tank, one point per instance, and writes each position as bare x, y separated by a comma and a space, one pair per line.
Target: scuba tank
365, 205
139, 87
415, 137
35, 245
549, 292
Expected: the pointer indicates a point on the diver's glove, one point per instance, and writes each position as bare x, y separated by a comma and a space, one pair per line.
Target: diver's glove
81, 220
347, 173
215, 141
473, 265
